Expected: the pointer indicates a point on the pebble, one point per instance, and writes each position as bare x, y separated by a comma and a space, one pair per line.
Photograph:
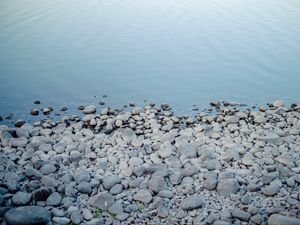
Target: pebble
110, 181
54, 199
143, 196
191, 202
241, 215
61, 220
21, 198
84, 187
228, 186
102, 201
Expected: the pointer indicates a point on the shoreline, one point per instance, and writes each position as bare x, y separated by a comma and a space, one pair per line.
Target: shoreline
148, 166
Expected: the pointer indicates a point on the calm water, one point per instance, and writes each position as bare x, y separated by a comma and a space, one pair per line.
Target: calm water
180, 52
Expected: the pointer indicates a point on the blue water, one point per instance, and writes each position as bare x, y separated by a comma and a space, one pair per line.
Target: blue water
180, 52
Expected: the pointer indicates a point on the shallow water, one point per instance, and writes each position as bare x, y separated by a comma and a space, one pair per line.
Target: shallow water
180, 52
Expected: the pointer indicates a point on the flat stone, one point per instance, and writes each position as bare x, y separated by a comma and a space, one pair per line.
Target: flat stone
271, 189
28, 215
110, 181
47, 169
116, 208
84, 187
277, 219
187, 150
102, 201
82, 176
241, 215
21, 198
61, 220
54, 199
211, 180
228, 186
76, 217
166, 149
143, 196
157, 184
191, 202
116, 189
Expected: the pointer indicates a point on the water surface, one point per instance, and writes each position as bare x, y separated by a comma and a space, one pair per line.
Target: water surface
180, 52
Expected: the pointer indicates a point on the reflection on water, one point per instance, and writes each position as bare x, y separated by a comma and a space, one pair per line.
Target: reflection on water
180, 52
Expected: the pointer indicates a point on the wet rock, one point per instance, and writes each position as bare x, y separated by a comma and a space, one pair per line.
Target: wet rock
19, 123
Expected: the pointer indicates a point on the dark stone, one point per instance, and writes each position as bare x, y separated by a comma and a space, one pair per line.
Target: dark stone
37, 102
34, 112
41, 194
19, 123
63, 109
28, 215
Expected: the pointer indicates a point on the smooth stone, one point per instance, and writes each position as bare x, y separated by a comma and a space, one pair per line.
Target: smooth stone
211, 180
21, 198
57, 212
278, 103
271, 189
28, 215
191, 202
19, 123
76, 217
116, 208
241, 215
91, 109
54, 199
82, 176
143, 196
61, 220
103, 201
277, 219
187, 150
87, 214
116, 189
157, 184
34, 112
47, 169
110, 181
122, 216
84, 187
228, 186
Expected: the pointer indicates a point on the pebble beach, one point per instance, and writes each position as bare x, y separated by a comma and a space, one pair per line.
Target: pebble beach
147, 165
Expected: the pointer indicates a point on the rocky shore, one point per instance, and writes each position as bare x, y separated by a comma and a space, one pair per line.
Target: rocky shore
149, 166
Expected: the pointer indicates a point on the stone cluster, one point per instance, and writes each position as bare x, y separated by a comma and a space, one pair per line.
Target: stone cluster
149, 166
